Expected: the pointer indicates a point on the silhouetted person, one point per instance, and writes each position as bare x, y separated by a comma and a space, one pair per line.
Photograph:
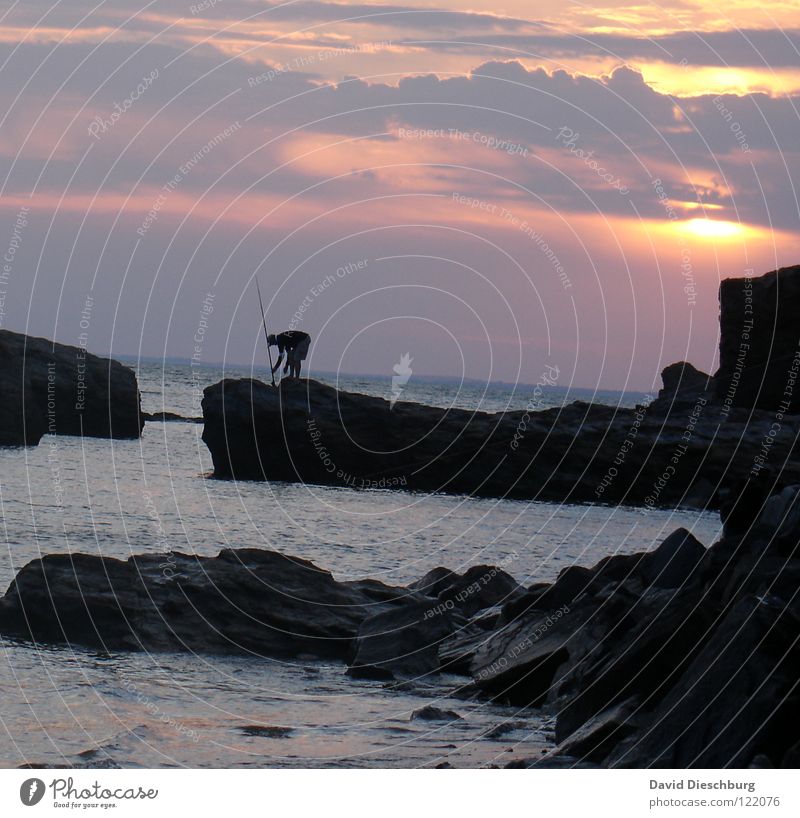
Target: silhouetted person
294, 344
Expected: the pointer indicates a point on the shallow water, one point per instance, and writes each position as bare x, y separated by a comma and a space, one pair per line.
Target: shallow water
153, 495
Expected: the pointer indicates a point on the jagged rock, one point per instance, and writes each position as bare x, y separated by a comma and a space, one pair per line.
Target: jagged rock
434, 582
408, 639
403, 641
759, 353
50, 388
617, 635
683, 382
674, 562
734, 702
781, 512
518, 662
457, 652
743, 501
533, 598
596, 738
478, 588
701, 673
572, 581
638, 648
669, 566
553, 628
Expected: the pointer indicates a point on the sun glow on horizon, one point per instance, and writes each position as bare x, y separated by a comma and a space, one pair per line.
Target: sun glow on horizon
714, 228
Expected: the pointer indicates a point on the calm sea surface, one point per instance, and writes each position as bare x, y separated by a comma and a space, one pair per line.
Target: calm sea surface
60, 706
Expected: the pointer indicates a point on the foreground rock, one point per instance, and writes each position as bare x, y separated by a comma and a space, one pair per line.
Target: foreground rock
244, 601
678, 452
51, 388
682, 658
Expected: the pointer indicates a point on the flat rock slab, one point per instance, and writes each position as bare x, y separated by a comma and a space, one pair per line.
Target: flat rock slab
244, 601
305, 431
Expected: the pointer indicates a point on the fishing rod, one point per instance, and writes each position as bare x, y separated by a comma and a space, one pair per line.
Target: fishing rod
266, 337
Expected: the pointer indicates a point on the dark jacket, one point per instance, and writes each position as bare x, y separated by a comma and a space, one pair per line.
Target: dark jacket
290, 339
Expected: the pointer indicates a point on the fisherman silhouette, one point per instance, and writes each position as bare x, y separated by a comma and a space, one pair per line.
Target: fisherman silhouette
294, 344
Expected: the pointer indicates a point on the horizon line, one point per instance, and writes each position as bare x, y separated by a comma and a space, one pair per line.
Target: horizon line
182, 361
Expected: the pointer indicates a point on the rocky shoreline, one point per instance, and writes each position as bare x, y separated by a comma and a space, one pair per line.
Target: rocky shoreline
682, 657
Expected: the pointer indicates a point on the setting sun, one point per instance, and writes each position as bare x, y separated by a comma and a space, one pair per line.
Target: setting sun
714, 229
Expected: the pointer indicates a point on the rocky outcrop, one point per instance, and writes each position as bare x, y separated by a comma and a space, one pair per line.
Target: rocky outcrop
682, 452
696, 445
307, 431
51, 388
683, 383
407, 640
759, 348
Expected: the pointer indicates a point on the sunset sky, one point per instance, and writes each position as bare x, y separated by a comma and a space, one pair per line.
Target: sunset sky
490, 187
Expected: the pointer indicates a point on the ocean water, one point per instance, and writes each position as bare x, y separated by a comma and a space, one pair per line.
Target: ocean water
83, 708
178, 388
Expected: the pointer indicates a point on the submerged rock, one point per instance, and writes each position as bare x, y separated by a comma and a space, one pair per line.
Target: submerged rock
169, 417
266, 731
50, 388
431, 713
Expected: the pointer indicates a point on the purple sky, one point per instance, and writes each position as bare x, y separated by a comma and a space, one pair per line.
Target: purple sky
488, 192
